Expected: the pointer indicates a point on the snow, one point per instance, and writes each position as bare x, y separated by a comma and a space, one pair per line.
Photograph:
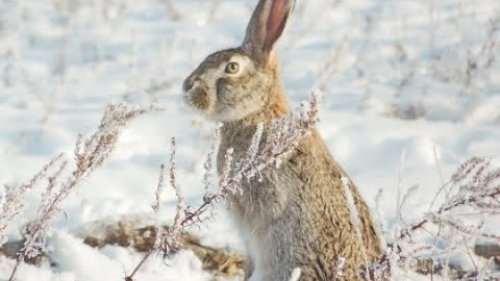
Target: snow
415, 76
295, 274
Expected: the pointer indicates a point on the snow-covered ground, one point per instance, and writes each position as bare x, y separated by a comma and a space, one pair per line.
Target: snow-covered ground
413, 78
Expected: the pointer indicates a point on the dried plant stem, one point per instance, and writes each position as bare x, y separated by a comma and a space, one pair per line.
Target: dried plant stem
474, 189
130, 277
89, 154
16, 266
12, 201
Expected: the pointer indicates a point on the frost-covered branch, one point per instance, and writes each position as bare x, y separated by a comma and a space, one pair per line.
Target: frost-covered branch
473, 191
89, 154
12, 199
475, 186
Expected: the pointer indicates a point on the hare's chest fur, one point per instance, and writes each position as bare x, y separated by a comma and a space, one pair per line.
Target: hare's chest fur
267, 211
267, 223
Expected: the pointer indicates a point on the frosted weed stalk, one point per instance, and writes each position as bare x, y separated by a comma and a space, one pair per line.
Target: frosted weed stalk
89, 154
455, 219
11, 199
283, 136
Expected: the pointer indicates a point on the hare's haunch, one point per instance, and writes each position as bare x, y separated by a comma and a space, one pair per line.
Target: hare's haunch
295, 215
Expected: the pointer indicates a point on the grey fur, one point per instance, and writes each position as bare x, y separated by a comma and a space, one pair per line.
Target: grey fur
297, 216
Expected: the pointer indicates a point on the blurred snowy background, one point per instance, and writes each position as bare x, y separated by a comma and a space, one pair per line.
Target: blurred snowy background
419, 78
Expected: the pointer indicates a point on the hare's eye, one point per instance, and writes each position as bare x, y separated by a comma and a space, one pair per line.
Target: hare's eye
232, 68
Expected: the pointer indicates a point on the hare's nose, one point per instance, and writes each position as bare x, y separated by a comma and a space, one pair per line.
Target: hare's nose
188, 84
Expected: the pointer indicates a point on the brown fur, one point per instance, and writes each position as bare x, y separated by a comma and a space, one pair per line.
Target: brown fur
279, 103
296, 215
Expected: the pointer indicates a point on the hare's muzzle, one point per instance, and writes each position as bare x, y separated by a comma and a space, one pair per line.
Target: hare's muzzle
196, 94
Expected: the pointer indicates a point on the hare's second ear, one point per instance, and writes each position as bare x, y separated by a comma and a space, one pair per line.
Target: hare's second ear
265, 27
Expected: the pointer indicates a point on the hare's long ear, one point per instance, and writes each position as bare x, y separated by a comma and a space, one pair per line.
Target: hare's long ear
265, 27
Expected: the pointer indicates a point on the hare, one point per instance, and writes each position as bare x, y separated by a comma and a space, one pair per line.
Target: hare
296, 215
